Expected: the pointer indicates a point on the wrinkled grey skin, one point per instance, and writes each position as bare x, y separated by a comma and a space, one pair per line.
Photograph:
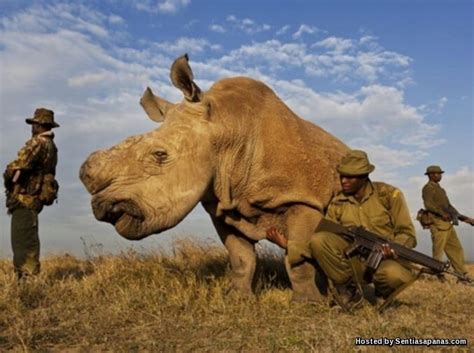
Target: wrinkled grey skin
237, 149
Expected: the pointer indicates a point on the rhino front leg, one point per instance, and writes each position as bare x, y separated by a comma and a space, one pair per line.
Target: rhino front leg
242, 256
301, 223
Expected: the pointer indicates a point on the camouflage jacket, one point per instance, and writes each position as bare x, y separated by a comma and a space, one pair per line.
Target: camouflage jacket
37, 158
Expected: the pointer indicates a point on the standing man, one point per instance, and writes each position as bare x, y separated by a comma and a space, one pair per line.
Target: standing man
378, 207
443, 217
30, 184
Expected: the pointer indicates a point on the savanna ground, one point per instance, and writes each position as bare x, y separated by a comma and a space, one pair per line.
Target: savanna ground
178, 302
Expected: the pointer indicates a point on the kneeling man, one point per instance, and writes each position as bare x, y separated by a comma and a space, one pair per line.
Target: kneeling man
376, 206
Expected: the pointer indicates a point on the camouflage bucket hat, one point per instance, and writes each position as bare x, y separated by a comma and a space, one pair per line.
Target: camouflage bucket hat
434, 169
355, 163
43, 117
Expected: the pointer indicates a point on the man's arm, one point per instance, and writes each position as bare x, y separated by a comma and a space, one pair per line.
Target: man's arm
404, 230
458, 216
465, 219
26, 159
27, 156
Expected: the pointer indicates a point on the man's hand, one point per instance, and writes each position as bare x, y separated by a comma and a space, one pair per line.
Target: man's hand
446, 218
469, 220
276, 237
388, 252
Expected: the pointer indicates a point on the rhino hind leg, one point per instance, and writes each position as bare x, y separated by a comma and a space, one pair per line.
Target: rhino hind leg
302, 222
303, 283
243, 262
243, 258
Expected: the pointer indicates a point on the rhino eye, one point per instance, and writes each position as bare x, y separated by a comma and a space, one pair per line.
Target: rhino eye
160, 156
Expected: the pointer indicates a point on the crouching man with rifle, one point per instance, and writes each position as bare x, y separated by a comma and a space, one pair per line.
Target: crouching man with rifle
351, 259
373, 249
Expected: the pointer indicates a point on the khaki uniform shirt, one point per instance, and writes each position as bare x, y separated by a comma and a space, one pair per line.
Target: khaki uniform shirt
37, 158
435, 199
382, 210
437, 203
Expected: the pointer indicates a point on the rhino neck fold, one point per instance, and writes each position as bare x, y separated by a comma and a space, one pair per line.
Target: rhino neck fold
233, 176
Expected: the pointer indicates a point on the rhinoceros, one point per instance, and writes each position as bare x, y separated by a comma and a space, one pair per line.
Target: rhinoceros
237, 149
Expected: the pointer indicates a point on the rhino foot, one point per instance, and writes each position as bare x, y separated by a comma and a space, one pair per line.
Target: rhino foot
239, 293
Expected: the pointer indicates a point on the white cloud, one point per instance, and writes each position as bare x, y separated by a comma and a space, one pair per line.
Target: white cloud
441, 103
304, 29
164, 6
335, 44
247, 25
337, 58
282, 30
45, 19
186, 45
115, 19
367, 39
217, 28
374, 118
388, 160
434, 107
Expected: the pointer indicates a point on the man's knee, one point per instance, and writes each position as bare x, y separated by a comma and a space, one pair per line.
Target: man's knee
328, 250
392, 274
323, 242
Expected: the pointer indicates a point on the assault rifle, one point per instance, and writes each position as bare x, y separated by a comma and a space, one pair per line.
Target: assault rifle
368, 245
456, 216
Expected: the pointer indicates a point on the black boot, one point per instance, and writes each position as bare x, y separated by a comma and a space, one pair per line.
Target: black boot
348, 296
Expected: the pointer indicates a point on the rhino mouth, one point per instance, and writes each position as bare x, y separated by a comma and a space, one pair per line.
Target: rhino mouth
125, 215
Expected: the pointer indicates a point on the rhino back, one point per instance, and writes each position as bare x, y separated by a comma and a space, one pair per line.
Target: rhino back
268, 155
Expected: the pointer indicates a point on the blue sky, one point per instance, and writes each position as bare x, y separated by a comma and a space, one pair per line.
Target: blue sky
392, 77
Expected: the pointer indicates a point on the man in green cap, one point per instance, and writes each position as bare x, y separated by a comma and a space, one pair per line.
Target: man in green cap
443, 218
30, 184
378, 207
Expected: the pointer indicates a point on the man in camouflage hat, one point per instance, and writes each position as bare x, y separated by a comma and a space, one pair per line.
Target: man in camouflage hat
30, 184
378, 207
443, 217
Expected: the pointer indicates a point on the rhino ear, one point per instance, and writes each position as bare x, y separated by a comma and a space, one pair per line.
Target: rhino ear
182, 77
154, 106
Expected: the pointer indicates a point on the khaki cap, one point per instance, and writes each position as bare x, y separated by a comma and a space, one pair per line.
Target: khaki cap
434, 169
43, 116
355, 163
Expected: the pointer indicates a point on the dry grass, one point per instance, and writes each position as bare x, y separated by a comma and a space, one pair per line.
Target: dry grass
178, 302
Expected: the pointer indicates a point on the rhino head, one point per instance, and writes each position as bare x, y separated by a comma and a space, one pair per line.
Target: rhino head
148, 183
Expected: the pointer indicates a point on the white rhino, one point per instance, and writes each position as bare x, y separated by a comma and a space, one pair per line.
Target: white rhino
237, 149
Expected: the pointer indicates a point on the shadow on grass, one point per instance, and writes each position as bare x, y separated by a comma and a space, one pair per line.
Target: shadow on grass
270, 273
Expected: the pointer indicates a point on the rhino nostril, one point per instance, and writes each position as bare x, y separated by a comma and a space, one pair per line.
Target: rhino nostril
114, 215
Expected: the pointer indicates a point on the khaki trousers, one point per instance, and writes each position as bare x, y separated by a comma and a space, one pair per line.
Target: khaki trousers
328, 249
445, 240
25, 241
